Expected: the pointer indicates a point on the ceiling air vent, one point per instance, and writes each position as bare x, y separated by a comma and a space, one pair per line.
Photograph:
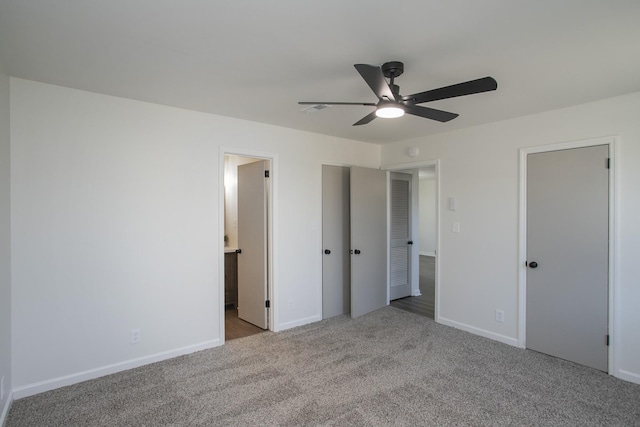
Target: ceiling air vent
314, 108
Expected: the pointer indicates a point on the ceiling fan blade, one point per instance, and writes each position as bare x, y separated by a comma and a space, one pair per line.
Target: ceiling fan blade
375, 79
366, 119
484, 84
336, 103
430, 113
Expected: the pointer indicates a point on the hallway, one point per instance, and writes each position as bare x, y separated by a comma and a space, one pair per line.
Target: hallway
424, 304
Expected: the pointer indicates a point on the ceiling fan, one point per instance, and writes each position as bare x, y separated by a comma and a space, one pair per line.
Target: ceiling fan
391, 104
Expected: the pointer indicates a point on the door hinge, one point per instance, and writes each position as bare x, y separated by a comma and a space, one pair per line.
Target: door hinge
608, 163
238, 251
267, 303
266, 174
607, 340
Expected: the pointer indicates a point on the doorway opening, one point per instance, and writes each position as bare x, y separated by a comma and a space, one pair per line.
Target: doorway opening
423, 217
247, 266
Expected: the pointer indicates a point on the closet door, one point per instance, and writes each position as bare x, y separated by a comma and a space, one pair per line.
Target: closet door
368, 240
401, 243
336, 270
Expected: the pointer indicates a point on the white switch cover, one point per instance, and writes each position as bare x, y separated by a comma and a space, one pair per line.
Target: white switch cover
452, 203
456, 227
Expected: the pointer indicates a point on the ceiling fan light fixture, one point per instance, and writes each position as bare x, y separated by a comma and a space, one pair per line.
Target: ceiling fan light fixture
389, 111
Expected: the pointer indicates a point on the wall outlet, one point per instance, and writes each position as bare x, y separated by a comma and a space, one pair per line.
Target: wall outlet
290, 304
2, 388
500, 316
456, 227
135, 336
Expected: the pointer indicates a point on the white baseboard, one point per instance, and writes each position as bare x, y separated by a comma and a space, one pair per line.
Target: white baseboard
42, 386
477, 331
299, 322
627, 376
416, 293
7, 407
431, 254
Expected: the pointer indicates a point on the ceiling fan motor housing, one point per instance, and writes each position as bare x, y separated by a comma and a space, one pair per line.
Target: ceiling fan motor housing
392, 69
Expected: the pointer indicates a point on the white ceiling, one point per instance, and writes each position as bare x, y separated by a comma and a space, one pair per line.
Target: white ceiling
254, 59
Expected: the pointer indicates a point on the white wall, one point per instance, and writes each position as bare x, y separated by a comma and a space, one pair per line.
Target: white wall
116, 225
479, 166
5, 247
427, 200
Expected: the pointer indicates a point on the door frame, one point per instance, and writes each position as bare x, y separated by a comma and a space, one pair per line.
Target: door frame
272, 221
415, 269
610, 141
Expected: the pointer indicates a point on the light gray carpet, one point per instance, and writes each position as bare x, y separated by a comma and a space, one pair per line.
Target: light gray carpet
389, 367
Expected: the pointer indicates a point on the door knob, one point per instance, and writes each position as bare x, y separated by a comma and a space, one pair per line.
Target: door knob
533, 264
410, 242
357, 251
327, 251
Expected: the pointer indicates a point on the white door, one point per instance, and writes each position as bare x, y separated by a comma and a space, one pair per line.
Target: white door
567, 254
368, 240
252, 242
336, 262
401, 243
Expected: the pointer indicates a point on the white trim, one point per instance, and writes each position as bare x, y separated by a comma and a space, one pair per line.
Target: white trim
611, 141
42, 386
628, 376
410, 165
416, 293
300, 322
6, 409
272, 218
477, 331
431, 254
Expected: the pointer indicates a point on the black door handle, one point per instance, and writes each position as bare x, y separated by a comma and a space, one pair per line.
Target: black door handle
533, 264
410, 242
327, 251
238, 251
357, 251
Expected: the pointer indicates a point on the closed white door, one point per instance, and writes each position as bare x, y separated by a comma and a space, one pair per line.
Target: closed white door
368, 240
336, 262
567, 254
401, 243
252, 242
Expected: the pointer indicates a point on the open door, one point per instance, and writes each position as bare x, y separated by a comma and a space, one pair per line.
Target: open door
368, 197
252, 242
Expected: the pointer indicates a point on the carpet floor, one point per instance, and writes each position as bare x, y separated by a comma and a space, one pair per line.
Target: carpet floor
389, 367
